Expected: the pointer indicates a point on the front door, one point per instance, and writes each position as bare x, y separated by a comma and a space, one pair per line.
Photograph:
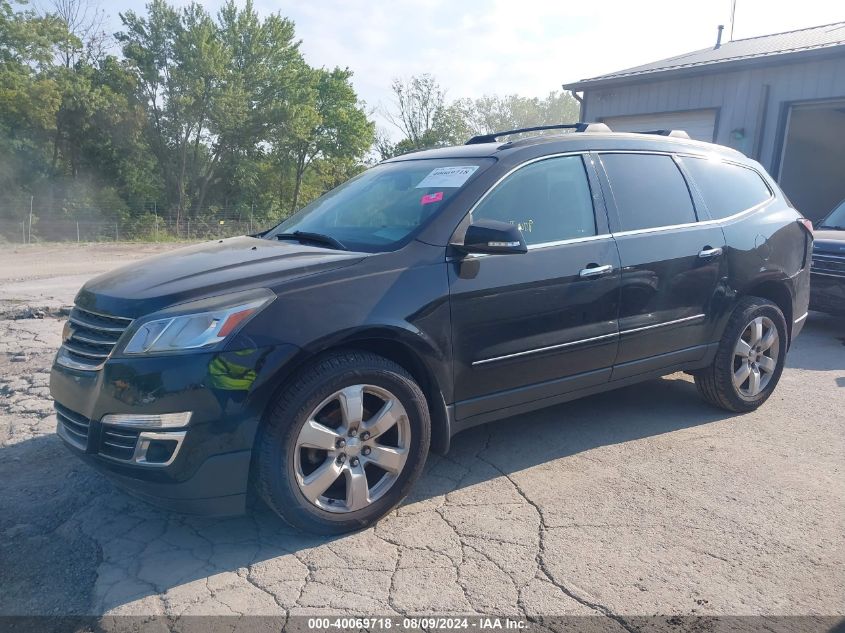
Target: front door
535, 325
672, 265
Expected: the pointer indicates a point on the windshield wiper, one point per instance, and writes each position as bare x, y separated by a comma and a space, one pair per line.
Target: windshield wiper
831, 227
305, 236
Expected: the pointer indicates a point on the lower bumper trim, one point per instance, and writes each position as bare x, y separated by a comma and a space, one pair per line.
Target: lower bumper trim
218, 487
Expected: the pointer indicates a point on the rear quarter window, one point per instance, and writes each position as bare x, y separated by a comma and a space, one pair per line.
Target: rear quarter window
649, 191
727, 189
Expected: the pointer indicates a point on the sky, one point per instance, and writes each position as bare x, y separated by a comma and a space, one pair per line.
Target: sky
526, 47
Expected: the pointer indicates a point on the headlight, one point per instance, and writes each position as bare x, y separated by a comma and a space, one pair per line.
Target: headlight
198, 324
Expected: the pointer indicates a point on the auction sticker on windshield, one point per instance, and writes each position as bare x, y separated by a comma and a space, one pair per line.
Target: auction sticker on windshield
447, 176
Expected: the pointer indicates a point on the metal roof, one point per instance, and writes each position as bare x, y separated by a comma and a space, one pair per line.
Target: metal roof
764, 47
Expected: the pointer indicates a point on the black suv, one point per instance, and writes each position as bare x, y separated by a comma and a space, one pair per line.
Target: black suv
828, 265
321, 360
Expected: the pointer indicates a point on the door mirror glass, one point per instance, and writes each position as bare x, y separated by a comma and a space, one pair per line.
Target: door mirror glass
493, 237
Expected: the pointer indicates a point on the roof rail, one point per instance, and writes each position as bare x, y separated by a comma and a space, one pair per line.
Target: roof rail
577, 127
674, 133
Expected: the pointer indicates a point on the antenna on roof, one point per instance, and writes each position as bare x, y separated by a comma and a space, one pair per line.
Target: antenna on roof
719, 30
733, 13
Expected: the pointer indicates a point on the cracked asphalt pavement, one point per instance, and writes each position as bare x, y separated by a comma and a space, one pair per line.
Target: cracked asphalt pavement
640, 502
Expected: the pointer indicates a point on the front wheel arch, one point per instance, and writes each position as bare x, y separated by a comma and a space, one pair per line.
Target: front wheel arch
409, 360
393, 349
274, 475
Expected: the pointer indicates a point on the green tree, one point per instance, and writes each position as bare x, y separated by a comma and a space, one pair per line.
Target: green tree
330, 127
29, 96
426, 119
213, 90
175, 59
492, 113
420, 113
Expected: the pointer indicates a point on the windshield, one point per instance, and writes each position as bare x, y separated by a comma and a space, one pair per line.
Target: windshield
836, 219
383, 206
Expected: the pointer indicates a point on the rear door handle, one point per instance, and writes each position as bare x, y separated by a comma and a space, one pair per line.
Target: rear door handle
596, 271
710, 252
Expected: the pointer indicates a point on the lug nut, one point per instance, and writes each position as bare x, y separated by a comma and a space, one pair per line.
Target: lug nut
354, 461
367, 450
341, 459
365, 436
352, 432
340, 443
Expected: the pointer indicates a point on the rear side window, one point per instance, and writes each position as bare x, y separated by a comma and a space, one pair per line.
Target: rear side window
649, 191
727, 189
548, 200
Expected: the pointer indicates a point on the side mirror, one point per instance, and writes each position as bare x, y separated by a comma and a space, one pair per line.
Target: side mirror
493, 237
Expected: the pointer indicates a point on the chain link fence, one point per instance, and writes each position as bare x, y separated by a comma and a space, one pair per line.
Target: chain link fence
143, 229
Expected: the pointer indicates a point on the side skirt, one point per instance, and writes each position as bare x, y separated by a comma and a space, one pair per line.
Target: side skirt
623, 376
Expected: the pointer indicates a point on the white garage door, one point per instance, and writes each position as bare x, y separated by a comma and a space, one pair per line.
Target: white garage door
699, 124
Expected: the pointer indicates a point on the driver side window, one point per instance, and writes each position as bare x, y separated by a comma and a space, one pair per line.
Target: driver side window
548, 200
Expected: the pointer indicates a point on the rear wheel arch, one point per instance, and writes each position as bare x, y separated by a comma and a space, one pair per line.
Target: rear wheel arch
778, 293
744, 346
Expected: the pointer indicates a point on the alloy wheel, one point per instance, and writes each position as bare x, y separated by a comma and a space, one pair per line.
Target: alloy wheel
755, 357
352, 448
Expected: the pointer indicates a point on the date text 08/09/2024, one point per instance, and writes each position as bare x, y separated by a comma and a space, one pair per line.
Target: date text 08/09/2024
481, 623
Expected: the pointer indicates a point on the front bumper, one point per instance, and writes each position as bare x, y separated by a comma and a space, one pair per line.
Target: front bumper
227, 393
827, 294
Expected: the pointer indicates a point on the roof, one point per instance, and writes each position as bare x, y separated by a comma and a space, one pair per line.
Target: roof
731, 53
576, 142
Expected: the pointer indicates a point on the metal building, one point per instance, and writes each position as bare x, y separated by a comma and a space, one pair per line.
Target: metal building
777, 98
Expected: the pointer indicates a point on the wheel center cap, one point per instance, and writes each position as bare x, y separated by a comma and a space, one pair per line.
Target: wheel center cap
353, 446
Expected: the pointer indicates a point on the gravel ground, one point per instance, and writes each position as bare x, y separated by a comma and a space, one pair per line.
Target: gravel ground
643, 502
48, 275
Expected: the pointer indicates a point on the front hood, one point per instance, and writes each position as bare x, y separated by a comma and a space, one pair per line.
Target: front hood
829, 241
204, 270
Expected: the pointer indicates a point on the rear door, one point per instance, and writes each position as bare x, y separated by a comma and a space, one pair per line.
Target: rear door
531, 326
672, 265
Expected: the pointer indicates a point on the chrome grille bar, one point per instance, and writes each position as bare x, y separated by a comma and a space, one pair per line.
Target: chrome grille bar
91, 337
828, 265
72, 426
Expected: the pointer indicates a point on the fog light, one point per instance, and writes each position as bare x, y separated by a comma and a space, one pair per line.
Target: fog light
148, 420
160, 451
158, 448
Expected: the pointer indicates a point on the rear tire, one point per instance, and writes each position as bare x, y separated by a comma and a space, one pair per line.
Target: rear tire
749, 360
343, 443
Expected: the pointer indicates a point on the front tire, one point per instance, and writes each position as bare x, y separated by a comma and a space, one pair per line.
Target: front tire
343, 443
749, 360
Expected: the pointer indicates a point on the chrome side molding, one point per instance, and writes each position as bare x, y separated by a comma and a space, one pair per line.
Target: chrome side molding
592, 339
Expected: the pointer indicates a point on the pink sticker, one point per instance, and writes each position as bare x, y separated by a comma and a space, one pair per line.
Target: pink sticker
431, 197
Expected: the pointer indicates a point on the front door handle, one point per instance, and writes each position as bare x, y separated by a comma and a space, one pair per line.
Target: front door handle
596, 271
710, 252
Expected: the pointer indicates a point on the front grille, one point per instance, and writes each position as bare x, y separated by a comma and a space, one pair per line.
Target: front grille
118, 443
74, 427
832, 265
90, 339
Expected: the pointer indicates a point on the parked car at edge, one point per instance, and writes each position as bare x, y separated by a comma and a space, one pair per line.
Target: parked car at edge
827, 288
321, 360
